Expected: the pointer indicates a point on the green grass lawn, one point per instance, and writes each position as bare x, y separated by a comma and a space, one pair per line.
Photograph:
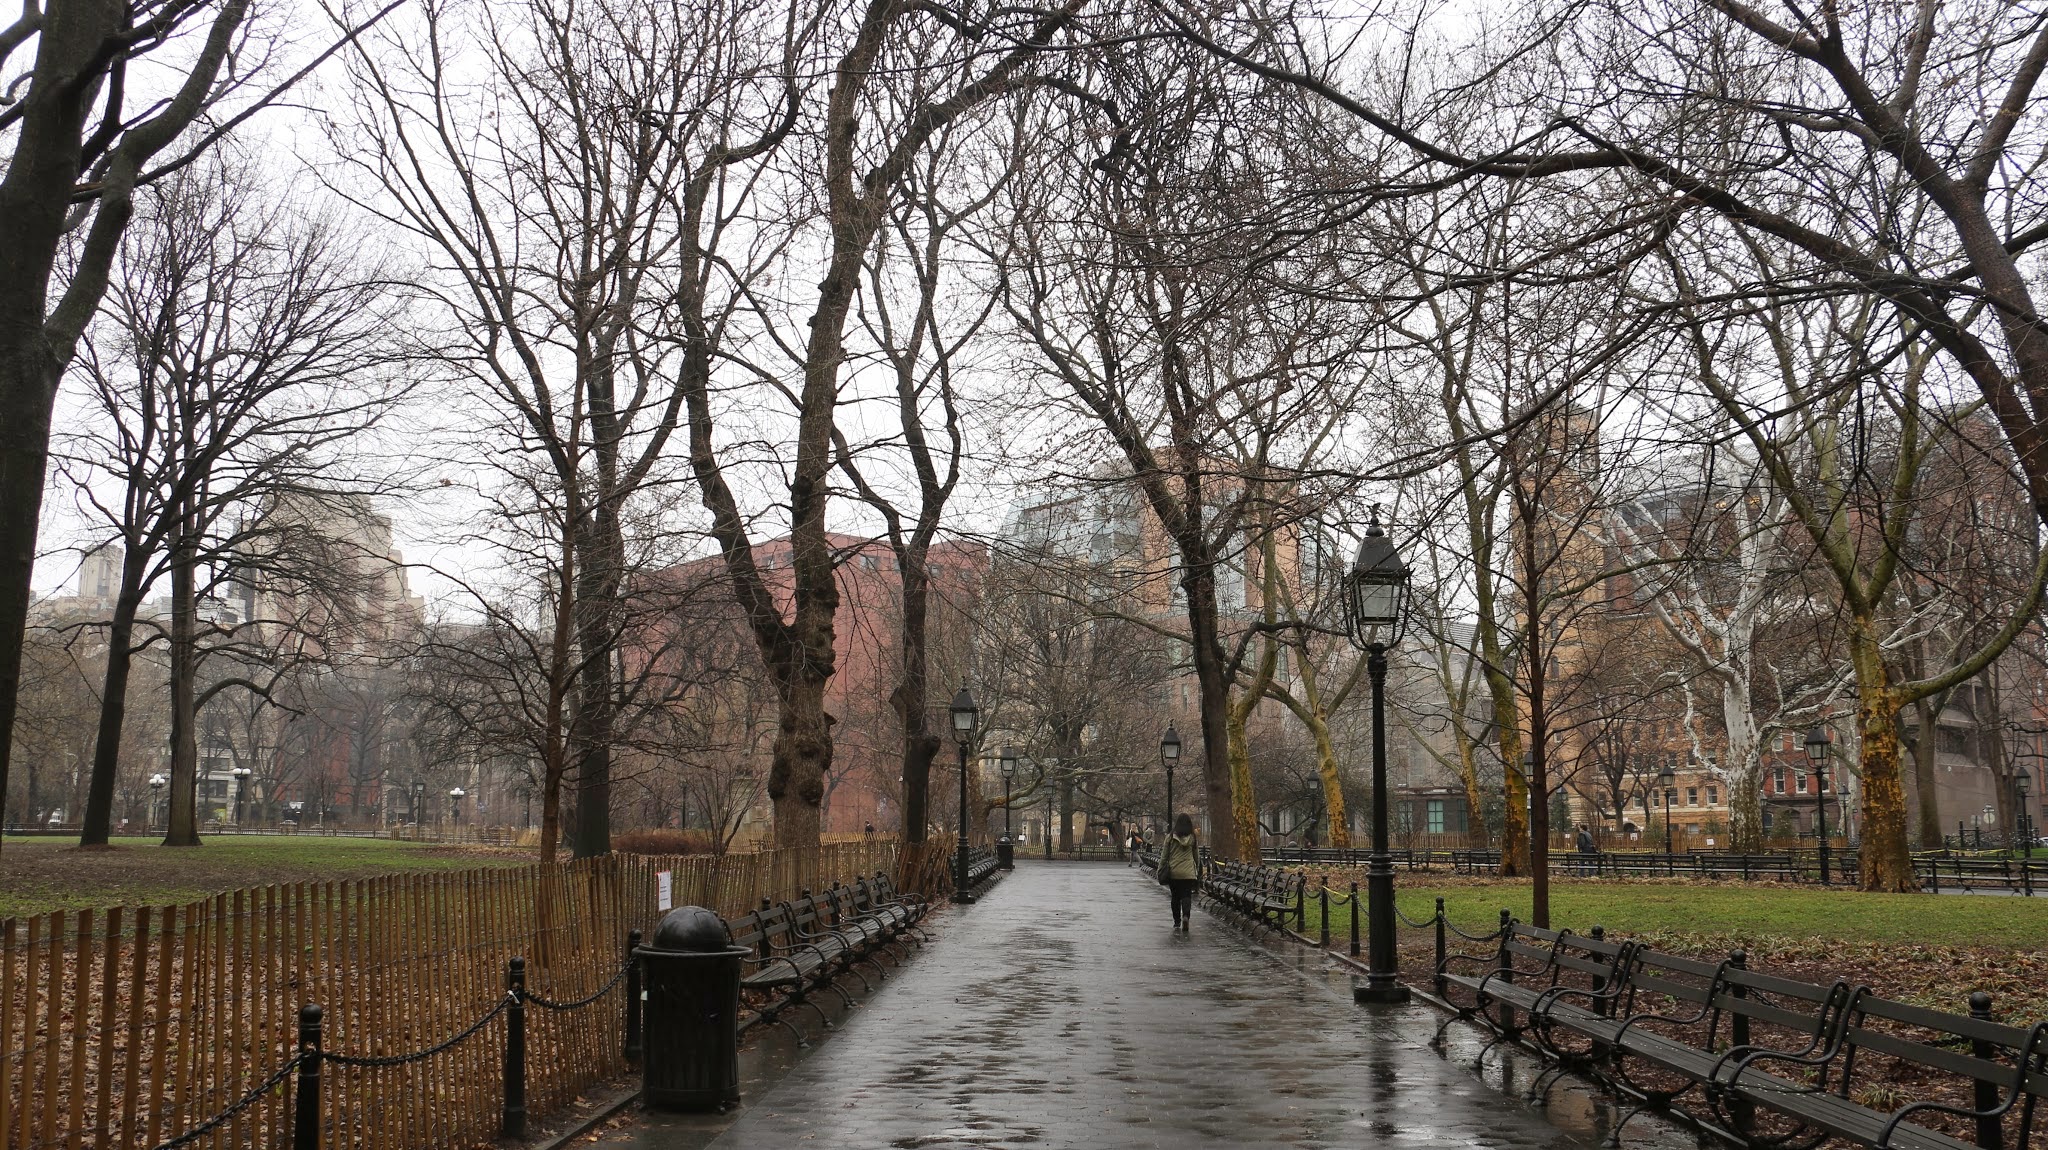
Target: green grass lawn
44, 874
1732, 911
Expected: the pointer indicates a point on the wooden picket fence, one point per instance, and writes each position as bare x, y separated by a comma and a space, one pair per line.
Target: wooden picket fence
130, 1026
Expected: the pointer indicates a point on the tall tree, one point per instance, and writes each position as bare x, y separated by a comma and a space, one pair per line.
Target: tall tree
899, 77
240, 356
82, 54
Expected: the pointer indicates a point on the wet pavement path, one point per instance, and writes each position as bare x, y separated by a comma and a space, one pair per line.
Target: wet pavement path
1062, 1012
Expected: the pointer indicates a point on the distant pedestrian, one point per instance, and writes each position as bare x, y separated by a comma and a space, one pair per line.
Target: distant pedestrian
1181, 870
869, 831
1587, 848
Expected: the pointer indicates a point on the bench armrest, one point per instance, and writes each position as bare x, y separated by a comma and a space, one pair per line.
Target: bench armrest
761, 965
1826, 1044
1672, 1018
1552, 994
2023, 1063
831, 932
800, 945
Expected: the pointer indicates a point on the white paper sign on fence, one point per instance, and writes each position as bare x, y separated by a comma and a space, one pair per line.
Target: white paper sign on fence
664, 891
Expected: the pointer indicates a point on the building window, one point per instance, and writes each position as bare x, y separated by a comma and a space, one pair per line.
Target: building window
1713, 796
1802, 782
1778, 780
1692, 796
1434, 813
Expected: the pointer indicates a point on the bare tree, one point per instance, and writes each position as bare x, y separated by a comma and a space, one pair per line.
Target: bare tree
898, 79
239, 358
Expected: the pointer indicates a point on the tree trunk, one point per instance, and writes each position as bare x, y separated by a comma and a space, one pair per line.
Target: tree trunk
1886, 858
911, 700
1198, 583
554, 742
1514, 835
1314, 714
1333, 782
803, 751
106, 751
591, 728
1475, 799
1066, 789
1926, 742
1244, 802
1743, 766
183, 828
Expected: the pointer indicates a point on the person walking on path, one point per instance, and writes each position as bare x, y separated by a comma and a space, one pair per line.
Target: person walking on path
1181, 870
1587, 849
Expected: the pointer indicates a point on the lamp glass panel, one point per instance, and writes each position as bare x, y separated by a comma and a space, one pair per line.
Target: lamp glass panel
1379, 604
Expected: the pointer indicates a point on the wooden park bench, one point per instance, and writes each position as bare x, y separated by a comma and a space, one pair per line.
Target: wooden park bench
799, 949
1475, 861
1960, 872
1260, 893
1773, 1061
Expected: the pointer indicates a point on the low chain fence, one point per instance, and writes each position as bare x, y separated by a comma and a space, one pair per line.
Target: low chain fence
400, 1002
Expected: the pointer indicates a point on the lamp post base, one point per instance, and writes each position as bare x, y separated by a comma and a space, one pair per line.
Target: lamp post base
964, 897
1379, 994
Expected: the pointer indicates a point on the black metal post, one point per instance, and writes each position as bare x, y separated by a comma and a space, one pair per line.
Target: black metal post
1738, 1032
633, 992
960, 892
1668, 851
1169, 796
1355, 916
1048, 820
514, 1123
1989, 1128
1382, 981
306, 1106
1442, 951
1820, 810
1323, 895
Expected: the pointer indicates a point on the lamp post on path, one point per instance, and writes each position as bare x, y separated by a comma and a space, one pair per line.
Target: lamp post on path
1169, 753
1667, 781
1375, 612
964, 713
1817, 758
1006, 851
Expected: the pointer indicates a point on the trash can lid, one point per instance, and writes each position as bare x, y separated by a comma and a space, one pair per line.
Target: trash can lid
691, 928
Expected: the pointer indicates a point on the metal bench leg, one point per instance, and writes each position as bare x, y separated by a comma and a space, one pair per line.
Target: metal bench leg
824, 1018
853, 968
1614, 1132
775, 1017
1539, 1093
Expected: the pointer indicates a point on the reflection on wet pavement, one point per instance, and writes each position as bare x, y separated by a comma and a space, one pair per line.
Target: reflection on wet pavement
1062, 1012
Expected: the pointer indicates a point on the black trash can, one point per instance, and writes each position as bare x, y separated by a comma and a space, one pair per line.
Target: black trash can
1006, 853
690, 1040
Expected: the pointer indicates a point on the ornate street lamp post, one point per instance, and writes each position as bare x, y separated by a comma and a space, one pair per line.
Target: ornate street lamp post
964, 713
1666, 782
1375, 612
455, 808
157, 783
1006, 851
2022, 781
1169, 754
1817, 758
241, 775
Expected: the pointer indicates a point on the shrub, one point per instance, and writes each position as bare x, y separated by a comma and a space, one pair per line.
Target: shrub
661, 841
